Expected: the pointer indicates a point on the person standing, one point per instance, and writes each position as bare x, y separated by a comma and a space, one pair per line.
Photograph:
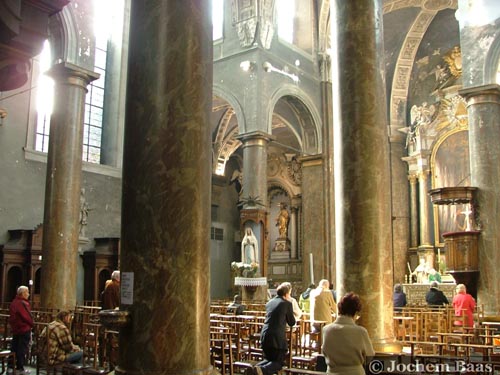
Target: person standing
322, 305
21, 323
436, 297
279, 313
345, 344
304, 299
464, 303
110, 297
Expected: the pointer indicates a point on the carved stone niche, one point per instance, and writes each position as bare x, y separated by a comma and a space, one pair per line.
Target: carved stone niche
461, 247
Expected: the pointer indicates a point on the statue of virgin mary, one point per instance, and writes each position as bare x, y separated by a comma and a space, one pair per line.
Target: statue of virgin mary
249, 248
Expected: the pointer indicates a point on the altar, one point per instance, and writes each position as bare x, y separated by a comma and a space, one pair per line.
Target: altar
415, 293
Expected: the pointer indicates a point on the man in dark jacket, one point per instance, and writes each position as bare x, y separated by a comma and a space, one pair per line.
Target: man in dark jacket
279, 313
435, 297
21, 323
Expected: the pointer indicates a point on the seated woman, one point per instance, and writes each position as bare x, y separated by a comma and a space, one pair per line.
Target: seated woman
345, 344
399, 297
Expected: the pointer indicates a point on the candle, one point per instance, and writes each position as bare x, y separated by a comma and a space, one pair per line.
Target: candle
311, 268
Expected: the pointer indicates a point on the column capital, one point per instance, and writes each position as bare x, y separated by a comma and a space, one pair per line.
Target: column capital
65, 72
413, 178
255, 138
481, 94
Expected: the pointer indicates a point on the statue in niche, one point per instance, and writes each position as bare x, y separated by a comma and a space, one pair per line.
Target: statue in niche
237, 180
249, 248
84, 213
282, 221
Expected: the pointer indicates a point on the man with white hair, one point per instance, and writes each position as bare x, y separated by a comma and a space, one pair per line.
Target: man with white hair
21, 324
322, 304
110, 297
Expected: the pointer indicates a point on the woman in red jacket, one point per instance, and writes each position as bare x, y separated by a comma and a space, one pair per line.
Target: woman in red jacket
21, 324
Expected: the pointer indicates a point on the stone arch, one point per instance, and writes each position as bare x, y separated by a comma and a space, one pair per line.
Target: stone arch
71, 35
492, 62
311, 120
225, 142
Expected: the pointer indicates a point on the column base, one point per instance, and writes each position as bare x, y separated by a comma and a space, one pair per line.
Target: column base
387, 346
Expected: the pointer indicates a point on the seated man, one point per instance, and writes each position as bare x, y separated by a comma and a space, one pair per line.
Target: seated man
58, 338
236, 307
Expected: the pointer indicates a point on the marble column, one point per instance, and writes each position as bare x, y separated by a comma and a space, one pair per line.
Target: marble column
255, 167
63, 184
400, 207
425, 247
293, 232
413, 211
328, 181
483, 105
166, 190
362, 171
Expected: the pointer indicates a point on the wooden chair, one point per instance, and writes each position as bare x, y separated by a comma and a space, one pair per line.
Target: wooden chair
90, 344
221, 351
5, 334
42, 352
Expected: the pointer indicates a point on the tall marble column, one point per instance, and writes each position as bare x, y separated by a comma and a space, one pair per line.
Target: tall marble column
166, 190
413, 212
293, 232
361, 156
400, 209
255, 166
63, 184
328, 180
425, 247
483, 105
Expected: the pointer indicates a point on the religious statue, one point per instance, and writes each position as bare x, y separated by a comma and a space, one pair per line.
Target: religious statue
84, 212
282, 221
249, 248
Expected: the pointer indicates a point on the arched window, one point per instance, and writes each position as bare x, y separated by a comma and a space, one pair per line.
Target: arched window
103, 118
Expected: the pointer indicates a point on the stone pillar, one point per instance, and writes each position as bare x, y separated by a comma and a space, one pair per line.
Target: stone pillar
400, 208
484, 148
254, 167
362, 171
293, 232
62, 190
313, 208
328, 181
425, 248
166, 190
413, 212
424, 208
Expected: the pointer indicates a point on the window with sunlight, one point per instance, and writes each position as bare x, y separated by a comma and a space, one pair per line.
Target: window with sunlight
218, 19
295, 23
44, 100
285, 11
94, 100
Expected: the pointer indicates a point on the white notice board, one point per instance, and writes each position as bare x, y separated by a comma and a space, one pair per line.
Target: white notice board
127, 288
